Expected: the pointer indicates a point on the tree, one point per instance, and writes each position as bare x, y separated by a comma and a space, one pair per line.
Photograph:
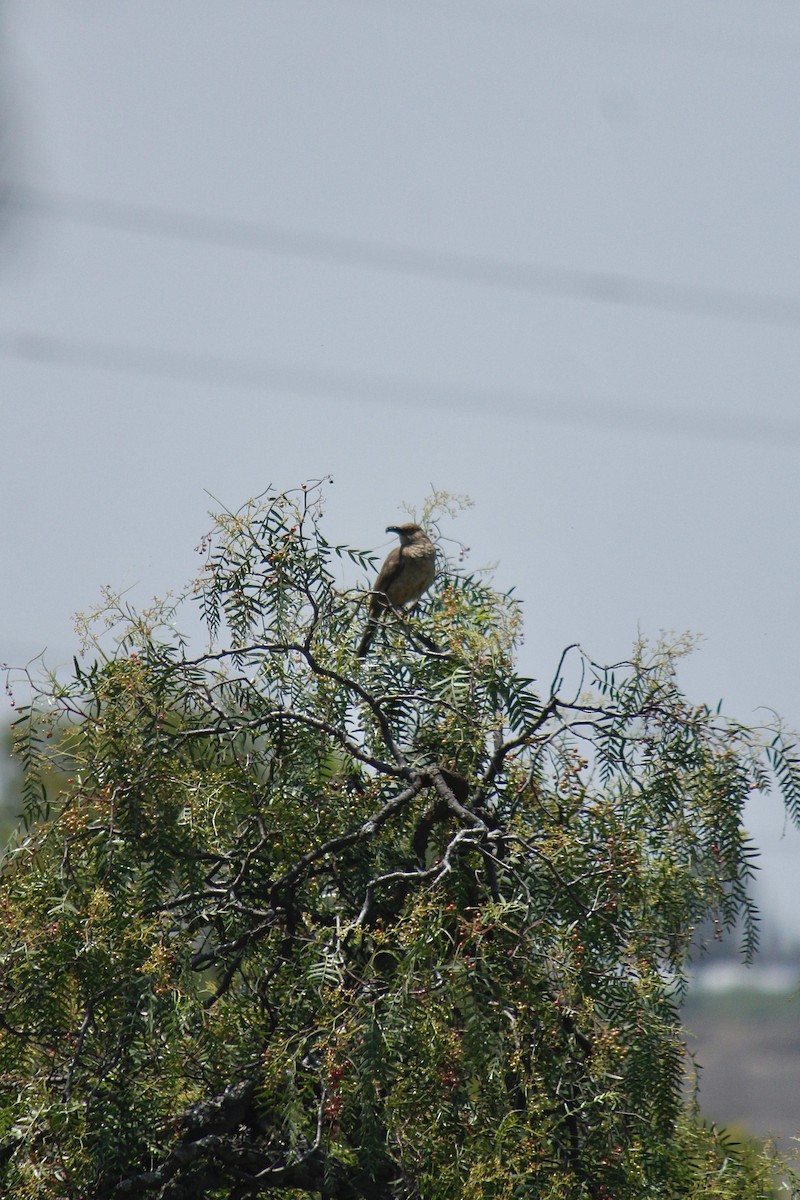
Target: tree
297, 923
9, 788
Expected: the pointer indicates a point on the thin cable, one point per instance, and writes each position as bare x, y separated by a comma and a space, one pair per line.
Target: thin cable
603, 287
375, 389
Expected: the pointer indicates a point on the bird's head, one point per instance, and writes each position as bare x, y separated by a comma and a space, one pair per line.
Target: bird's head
407, 533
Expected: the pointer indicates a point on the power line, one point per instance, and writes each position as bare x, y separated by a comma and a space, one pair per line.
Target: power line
604, 287
374, 389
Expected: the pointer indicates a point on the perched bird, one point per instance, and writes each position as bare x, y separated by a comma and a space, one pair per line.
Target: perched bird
409, 570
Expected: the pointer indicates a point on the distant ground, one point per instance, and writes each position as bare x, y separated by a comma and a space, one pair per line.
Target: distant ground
747, 1045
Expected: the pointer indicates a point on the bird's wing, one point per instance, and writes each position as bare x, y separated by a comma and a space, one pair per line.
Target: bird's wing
388, 573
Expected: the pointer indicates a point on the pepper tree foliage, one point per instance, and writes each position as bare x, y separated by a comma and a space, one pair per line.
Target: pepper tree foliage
413, 926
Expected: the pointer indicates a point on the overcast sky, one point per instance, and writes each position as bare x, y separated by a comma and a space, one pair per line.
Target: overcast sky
545, 254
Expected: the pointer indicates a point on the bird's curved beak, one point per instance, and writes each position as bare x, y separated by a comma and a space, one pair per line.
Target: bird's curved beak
392, 529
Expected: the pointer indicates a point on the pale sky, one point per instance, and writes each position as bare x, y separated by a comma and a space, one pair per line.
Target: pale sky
542, 253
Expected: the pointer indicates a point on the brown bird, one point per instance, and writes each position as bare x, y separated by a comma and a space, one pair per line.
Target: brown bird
409, 570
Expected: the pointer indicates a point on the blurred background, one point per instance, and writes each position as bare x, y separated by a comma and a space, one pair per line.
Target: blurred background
543, 254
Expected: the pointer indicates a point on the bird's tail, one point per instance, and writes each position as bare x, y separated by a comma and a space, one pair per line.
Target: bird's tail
366, 638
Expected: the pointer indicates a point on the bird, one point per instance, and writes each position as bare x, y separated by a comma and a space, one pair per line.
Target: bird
408, 572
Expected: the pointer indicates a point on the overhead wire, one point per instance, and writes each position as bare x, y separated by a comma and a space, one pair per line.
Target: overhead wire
605, 287
387, 257
364, 387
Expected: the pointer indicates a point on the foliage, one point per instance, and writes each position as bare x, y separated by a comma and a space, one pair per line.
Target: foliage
408, 927
10, 802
